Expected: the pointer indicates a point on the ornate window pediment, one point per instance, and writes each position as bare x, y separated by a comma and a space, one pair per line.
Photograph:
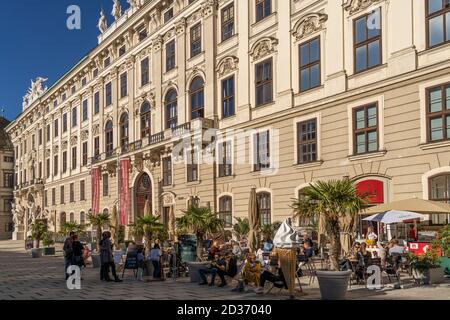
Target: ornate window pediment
263, 48
354, 6
227, 65
309, 24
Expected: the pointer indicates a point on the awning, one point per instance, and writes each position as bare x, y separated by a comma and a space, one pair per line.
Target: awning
412, 205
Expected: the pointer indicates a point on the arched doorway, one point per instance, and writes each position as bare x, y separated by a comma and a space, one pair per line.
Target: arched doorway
143, 193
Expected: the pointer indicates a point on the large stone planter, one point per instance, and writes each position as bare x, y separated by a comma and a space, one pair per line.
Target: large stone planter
445, 264
96, 262
333, 284
193, 270
51, 251
430, 276
36, 253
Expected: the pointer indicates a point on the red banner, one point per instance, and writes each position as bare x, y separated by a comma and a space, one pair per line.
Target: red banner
95, 174
371, 190
124, 191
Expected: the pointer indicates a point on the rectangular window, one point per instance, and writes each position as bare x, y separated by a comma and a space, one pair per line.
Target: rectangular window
72, 192
97, 103
438, 22
108, 94
40, 137
107, 62
46, 198
170, 55
62, 200
307, 141
65, 122
47, 169
168, 15
95, 73
64, 162
48, 133
310, 64
167, 171
263, 9
85, 110
192, 166
33, 142
96, 148
142, 34
74, 117
82, 190
227, 22
73, 90
64, 97
55, 165
196, 40
74, 158
226, 211
84, 81
122, 51
40, 170
53, 196
105, 185
85, 154
438, 113
264, 83
228, 97
8, 180
365, 122
56, 128
145, 67
123, 85
55, 103
262, 151
225, 156
367, 41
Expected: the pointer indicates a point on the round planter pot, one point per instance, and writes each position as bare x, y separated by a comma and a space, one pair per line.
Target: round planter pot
96, 263
193, 270
49, 251
36, 253
333, 284
430, 276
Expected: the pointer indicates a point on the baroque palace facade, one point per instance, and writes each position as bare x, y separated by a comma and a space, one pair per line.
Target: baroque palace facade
320, 89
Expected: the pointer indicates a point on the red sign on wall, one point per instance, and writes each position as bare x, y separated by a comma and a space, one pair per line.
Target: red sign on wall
371, 190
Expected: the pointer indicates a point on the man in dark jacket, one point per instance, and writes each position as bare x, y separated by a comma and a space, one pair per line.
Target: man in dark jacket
107, 259
68, 253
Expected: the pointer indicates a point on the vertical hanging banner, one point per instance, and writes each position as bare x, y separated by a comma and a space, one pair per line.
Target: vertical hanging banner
124, 191
95, 174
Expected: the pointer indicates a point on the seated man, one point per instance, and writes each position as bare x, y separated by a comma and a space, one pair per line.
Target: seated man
396, 248
230, 269
216, 264
275, 275
252, 270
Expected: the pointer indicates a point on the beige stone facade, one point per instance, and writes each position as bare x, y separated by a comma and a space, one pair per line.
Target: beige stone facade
6, 182
371, 121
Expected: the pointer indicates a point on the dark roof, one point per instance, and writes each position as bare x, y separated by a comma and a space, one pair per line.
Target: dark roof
5, 142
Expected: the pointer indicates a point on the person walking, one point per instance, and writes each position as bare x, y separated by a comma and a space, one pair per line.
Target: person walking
68, 253
155, 258
107, 259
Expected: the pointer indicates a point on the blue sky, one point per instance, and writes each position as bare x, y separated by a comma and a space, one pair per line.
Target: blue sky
36, 42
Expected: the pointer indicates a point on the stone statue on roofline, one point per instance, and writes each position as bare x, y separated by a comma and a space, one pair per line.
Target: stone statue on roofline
117, 10
102, 23
134, 4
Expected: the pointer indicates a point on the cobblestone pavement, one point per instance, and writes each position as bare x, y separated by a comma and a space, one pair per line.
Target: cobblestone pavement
24, 278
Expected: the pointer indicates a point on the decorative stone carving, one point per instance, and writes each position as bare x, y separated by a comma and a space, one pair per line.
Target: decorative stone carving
145, 52
157, 43
117, 10
169, 34
102, 23
73, 140
197, 15
227, 65
263, 48
134, 4
55, 149
36, 90
138, 164
180, 27
308, 25
47, 153
96, 129
354, 6
84, 135
130, 62
168, 199
209, 7
64, 145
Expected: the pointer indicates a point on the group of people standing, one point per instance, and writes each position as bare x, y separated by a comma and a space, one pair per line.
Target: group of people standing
74, 252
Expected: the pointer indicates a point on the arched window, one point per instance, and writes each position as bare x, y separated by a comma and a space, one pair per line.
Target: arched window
72, 217
82, 218
105, 211
197, 93
439, 190
171, 109
226, 211
109, 139
146, 120
124, 131
265, 207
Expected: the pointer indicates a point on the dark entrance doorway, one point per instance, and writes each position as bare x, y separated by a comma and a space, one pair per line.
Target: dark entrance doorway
143, 193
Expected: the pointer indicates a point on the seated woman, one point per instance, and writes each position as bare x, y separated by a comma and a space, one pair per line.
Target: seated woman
252, 270
275, 275
366, 255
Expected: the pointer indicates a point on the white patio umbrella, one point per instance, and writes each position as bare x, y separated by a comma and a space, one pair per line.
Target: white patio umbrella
395, 216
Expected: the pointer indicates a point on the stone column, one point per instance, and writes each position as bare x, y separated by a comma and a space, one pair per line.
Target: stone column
243, 111
115, 106
157, 80
180, 29
131, 69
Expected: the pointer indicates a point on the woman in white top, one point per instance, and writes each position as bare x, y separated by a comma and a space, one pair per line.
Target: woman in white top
371, 235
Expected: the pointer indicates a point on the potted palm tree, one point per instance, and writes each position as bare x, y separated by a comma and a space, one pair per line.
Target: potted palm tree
334, 200
201, 222
48, 242
241, 228
147, 227
38, 230
98, 222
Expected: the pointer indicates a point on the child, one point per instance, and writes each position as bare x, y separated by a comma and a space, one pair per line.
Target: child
141, 264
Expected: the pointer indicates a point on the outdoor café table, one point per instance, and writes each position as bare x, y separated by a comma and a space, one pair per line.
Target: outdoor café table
379, 251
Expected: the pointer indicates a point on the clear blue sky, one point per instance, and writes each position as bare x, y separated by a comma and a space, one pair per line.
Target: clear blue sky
36, 42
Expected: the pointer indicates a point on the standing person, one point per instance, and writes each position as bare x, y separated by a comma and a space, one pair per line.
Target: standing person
107, 259
155, 257
141, 264
68, 253
371, 235
213, 251
77, 252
